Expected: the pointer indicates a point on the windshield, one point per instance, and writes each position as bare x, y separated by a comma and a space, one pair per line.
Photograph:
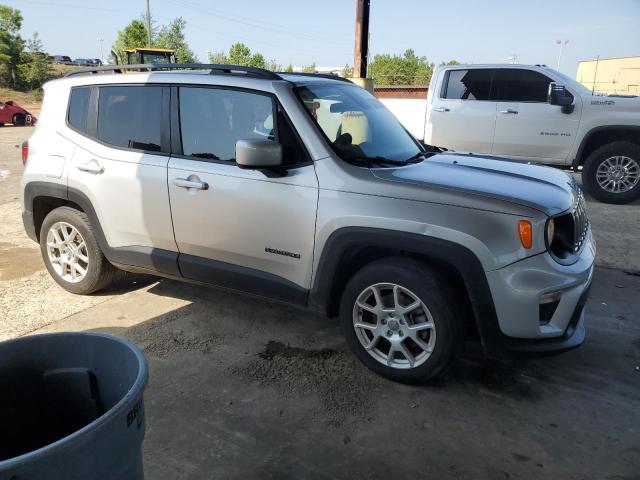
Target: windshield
156, 58
357, 124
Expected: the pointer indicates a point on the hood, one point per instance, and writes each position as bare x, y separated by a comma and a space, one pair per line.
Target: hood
546, 189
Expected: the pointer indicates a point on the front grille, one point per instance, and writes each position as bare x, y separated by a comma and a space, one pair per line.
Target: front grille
580, 221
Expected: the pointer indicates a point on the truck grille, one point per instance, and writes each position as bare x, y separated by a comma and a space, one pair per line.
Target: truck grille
580, 221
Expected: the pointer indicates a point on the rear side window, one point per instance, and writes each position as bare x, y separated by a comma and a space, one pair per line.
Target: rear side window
131, 117
212, 120
474, 84
517, 85
79, 109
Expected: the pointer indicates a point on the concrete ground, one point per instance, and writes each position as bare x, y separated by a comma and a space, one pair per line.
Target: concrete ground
243, 388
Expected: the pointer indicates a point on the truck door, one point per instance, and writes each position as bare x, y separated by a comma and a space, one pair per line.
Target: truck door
460, 115
527, 126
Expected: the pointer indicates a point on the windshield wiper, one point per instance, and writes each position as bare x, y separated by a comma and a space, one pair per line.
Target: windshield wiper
417, 158
379, 160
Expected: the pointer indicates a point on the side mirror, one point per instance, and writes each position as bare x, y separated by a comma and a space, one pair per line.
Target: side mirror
559, 95
258, 154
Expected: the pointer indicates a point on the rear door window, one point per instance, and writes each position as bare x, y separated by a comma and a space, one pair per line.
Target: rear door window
472, 84
131, 117
519, 85
79, 109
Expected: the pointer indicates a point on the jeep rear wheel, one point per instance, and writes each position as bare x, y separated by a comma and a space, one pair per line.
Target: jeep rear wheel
402, 320
71, 253
611, 173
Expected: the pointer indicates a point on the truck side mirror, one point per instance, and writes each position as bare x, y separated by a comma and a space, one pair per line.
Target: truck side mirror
559, 95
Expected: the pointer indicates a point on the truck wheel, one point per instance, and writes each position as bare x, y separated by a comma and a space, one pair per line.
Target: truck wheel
402, 320
611, 173
19, 120
71, 253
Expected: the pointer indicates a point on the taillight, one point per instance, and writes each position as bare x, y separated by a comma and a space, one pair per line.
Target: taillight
25, 152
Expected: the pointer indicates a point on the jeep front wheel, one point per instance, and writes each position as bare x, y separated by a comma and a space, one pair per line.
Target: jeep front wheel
611, 173
402, 320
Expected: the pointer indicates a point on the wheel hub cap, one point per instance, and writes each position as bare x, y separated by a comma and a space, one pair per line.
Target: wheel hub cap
618, 174
67, 252
394, 326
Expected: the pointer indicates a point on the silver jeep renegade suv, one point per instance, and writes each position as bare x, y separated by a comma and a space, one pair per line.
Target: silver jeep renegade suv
305, 189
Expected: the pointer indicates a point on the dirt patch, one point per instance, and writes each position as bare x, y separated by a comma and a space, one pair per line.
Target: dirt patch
162, 340
343, 385
18, 262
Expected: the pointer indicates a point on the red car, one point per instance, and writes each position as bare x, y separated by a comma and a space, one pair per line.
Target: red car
11, 112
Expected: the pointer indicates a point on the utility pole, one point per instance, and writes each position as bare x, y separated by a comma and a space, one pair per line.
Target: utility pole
148, 25
362, 39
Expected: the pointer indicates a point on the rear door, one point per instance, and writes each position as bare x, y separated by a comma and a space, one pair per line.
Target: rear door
527, 126
244, 229
461, 116
120, 164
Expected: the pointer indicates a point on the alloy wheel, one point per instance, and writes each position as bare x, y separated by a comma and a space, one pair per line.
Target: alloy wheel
618, 174
67, 252
394, 326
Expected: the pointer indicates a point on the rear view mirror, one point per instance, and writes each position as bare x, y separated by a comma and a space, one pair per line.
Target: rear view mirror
258, 154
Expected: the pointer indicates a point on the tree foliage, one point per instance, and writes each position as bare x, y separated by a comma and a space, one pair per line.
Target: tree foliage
34, 68
172, 36
11, 45
240, 54
347, 71
405, 69
310, 68
133, 35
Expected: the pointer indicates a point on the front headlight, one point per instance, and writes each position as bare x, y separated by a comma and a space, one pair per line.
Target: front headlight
551, 231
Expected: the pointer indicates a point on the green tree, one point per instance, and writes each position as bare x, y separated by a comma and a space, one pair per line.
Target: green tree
257, 60
133, 35
310, 68
34, 69
239, 54
405, 69
172, 36
347, 71
289, 69
218, 57
11, 45
450, 62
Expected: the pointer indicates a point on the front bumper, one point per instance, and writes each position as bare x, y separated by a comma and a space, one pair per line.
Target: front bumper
517, 290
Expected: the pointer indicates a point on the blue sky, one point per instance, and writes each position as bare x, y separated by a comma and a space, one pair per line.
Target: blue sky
301, 32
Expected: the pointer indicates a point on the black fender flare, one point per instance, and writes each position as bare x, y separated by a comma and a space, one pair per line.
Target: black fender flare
463, 260
578, 160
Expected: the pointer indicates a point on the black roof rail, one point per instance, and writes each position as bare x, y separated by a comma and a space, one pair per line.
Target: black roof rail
214, 68
318, 75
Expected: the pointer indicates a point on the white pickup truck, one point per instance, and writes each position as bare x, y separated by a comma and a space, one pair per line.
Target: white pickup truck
532, 113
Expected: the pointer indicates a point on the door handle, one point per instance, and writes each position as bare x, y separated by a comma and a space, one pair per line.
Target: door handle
509, 111
91, 167
440, 109
193, 183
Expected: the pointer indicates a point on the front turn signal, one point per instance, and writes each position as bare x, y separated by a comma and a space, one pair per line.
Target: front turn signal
525, 230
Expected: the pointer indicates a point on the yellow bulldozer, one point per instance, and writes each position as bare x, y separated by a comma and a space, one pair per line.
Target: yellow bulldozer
149, 55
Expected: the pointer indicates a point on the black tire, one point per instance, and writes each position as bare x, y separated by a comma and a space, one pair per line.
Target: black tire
436, 294
19, 120
99, 271
593, 161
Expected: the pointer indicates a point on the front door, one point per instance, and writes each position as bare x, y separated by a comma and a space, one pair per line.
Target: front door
243, 229
528, 127
461, 116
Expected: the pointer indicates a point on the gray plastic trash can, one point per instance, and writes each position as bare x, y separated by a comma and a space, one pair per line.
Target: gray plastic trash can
71, 408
